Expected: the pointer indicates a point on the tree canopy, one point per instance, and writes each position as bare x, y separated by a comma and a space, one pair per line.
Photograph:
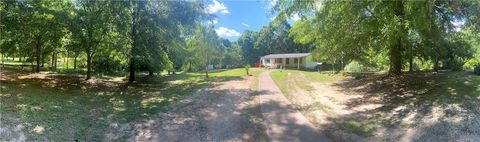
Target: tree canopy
401, 29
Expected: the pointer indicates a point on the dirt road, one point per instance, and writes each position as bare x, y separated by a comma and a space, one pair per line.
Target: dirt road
225, 111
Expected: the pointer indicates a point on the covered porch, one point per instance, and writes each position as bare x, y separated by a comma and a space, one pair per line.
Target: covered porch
278, 61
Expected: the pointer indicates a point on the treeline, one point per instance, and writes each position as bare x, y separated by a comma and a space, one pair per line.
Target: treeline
106, 36
271, 39
394, 35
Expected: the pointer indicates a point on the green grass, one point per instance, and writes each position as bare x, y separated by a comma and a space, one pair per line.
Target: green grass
317, 106
237, 72
321, 77
281, 77
357, 126
14, 62
67, 109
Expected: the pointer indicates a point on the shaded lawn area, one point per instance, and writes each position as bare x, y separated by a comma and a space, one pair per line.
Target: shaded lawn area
395, 103
411, 100
53, 107
420, 89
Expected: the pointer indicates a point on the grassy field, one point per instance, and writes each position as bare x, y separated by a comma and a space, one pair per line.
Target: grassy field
58, 107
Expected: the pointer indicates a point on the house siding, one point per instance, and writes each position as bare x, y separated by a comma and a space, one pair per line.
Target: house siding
306, 63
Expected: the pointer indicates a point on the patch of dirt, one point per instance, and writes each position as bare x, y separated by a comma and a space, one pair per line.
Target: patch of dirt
225, 111
368, 102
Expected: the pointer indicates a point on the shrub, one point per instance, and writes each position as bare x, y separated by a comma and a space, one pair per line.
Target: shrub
247, 67
477, 69
354, 66
472, 63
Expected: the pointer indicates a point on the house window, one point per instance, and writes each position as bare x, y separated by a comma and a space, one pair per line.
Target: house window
288, 60
295, 60
267, 61
278, 60
301, 60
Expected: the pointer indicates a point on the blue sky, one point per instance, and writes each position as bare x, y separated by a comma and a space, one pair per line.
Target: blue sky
235, 16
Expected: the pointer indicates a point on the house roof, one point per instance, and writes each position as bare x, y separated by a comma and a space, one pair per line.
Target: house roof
290, 55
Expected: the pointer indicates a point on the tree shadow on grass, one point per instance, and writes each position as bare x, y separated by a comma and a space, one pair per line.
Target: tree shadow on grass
66, 108
417, 96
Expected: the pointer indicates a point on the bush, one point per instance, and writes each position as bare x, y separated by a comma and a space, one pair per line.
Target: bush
247, 68
477, 69
471, 64
354, 66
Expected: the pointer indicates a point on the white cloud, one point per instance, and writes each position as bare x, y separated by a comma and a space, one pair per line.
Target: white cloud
273, 3
272, 18
295, 17
225, 11
458, 24
216, 7
214, 21
226, 32
246, 25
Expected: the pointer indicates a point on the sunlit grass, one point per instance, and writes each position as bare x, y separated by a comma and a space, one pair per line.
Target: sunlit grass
238, 72
280, 77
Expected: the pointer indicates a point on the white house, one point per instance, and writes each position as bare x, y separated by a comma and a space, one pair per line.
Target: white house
291, 60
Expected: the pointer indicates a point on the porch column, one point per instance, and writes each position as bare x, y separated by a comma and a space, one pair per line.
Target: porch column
298, 63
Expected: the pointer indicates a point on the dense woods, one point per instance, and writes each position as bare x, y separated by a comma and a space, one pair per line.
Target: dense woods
101, 36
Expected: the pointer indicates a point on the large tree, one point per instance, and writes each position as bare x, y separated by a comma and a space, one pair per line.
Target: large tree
204, 46
152, 26
90, 26
37, 24
353, 28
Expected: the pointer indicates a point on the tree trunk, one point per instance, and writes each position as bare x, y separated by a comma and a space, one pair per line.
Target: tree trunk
3, 60
75, 62
37, 53
55, 62
133, 36
396, 59
132, 70
107, 67
150, 73
342, 63
396, 49
206, 71
190, 67
43, 61
410, 68
89, 66
333, 65
436, 64
66, 61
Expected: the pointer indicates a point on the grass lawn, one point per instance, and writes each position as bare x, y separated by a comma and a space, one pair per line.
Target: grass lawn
57, 107
281, 78
363, 104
